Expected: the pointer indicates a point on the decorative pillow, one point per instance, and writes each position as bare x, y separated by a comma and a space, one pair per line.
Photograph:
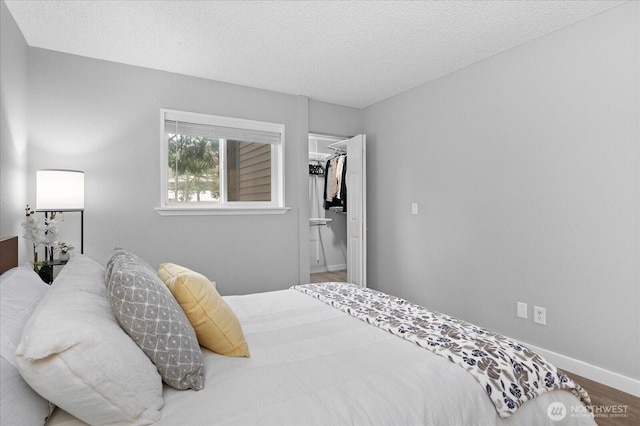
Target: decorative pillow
215, 323
20, 290
149, 313
74, 353
117, 251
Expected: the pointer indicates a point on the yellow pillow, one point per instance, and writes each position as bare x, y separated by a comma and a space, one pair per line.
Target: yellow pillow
216, 326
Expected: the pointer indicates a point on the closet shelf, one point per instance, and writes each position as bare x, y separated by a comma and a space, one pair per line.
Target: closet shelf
319, 221
318, 156
342, 145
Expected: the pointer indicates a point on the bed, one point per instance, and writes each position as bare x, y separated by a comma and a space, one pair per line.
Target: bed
327, 354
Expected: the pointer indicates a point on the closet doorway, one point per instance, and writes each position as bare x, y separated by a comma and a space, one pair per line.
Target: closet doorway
337, 206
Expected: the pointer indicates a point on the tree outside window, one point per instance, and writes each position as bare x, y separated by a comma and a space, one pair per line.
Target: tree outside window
194, 169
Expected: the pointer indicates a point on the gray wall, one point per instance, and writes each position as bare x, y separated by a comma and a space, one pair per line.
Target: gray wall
104, 118
334, 120
525, 168
13, 127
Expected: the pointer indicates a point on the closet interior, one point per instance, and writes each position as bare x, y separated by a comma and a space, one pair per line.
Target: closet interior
327, 203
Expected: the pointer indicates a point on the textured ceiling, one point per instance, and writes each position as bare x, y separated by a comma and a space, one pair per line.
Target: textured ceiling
352, 53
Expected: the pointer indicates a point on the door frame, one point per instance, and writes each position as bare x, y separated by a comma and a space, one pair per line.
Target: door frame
356, 225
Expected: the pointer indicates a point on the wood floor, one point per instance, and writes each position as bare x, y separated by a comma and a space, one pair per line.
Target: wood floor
331, 276
611, 406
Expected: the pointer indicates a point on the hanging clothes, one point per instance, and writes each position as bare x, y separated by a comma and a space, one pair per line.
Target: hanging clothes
316, 169
335, 184
329, 173
337, 178
343, 186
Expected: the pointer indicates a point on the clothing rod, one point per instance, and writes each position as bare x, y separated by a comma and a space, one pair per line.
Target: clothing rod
342, 145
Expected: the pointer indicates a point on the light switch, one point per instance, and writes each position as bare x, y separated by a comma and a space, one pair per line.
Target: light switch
414, 208
522, 310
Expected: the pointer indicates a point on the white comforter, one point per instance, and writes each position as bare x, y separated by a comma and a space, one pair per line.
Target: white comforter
312, 364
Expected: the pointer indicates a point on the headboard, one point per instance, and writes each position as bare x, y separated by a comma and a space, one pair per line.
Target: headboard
8, 253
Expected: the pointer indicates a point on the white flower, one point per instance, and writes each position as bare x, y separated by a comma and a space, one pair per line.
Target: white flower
62, 247
51, 231
40, 233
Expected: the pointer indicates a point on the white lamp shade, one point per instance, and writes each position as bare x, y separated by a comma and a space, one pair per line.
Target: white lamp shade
59, 190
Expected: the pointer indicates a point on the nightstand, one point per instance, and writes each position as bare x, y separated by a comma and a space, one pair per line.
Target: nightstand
48, 276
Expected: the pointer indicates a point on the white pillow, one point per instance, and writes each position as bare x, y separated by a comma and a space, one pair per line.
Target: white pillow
20, 290
74, 353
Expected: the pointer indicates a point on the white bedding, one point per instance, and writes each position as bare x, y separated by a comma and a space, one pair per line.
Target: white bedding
312, 364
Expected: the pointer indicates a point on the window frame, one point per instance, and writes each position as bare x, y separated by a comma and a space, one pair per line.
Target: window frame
277, 203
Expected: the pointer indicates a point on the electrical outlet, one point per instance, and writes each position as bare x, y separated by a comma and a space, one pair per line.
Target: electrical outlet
521, 310
539, 315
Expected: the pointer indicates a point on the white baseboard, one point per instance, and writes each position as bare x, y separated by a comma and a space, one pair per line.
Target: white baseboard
339, 267
592, 372
328, 268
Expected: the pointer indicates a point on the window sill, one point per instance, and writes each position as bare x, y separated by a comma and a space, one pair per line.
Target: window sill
221, 211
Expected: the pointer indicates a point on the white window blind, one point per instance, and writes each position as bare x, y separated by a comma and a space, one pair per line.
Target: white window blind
221, 132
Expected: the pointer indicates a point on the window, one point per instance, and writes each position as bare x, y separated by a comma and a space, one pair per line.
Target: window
213, 164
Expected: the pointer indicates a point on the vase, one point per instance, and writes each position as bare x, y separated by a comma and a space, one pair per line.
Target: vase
64, 256
35, 260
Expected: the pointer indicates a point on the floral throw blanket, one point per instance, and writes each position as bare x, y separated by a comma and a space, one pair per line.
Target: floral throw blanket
509, 372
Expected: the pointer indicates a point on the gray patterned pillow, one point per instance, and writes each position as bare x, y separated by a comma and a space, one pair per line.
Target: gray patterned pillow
115, 254
149, 313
